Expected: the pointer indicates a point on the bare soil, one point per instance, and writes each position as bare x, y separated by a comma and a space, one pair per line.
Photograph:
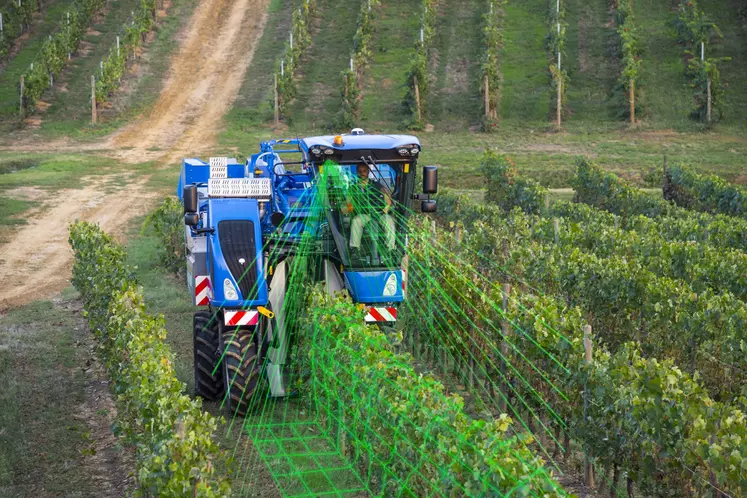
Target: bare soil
36, 262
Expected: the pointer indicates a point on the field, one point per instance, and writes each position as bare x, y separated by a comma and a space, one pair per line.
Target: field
574, 320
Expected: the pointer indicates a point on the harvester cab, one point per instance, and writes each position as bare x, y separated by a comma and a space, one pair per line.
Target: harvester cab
342, 202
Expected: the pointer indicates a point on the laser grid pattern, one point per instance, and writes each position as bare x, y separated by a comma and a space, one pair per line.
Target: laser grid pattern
353, 430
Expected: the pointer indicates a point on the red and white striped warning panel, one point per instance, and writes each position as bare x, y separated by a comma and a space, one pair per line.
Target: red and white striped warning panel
381, 314
242, 317
203, 290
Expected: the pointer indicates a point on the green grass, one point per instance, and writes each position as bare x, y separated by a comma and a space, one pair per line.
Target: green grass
54, 172
393, 45
592, 68
549, 157
10, 77
42, 436
13, 164
11, 209
526, 79
319, 80
253, 104
458, 48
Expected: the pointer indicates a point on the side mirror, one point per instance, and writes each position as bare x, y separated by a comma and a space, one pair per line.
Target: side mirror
428, 206
430, 179
190, 199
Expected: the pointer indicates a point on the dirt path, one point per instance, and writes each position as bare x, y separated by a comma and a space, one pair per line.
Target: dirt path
206, 74
36, 262
204, 80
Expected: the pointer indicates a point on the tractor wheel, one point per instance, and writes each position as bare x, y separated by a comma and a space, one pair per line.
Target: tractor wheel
205, 334
240, 368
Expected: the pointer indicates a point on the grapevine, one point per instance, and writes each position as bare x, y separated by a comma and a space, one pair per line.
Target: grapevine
630, 56
708, 193
416, 98
301, 40
55, 50
349, 113
491, 72
627, 427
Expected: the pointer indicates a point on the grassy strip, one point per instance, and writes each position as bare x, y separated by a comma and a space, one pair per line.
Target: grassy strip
526, 94
173, 435
45, 437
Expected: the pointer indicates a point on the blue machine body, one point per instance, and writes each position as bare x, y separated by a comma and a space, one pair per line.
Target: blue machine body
292, 193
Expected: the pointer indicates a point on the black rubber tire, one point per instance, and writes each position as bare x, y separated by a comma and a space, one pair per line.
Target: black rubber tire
206, 354
240, 368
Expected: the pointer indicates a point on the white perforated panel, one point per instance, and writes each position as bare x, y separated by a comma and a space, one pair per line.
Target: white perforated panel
253, 188
218, 167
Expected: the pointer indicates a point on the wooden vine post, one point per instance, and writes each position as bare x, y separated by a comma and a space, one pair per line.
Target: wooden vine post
560, 98
556, 230
505, 331
588, 467
93, 100
277, 110
20, 108
487, 96
708, 101
632, 101
416, 87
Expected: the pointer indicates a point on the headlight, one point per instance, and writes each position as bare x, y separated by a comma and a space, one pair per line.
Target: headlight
414, 151
403, 152
229, 291
316, 151
390, 288
329, 152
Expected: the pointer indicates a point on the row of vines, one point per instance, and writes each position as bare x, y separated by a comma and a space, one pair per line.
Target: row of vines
695, 29
417, 84
491, 64
350, 112
634, 415
57, 50
175, 450
403, 428
298, 42
113, 66
707, 193
15, 17
606, 191
630, 55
